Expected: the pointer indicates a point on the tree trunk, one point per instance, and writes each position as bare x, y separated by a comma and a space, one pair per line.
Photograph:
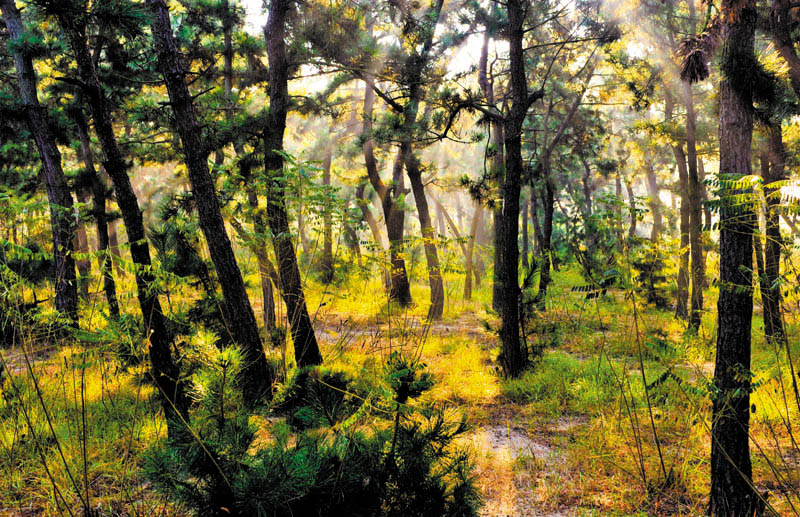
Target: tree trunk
653, 201
393, 215
58, 195
351, 235
731, 470
469, 262
256, 375
682, 304
165, 371
525, 242
306, 350
411, 75
695, 212
496, 157
548, 205
326, 264
99, 211
81, 245
773, 300
767, 300
514, 354
632, 208
428, 235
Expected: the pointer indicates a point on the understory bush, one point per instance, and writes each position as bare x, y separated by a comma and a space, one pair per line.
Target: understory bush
341, 450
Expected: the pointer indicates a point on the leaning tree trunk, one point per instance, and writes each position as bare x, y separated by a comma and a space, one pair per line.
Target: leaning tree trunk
99, 196
306, 350
165, 371
428, 235
257, 376
732, 491
58, 195
393, 214
266, 271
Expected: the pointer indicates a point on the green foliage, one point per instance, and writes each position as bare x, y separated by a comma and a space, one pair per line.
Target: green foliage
561, 382
649, 261
318, 396
234, 462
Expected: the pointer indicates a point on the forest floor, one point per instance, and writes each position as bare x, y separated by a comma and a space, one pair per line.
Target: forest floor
578, 434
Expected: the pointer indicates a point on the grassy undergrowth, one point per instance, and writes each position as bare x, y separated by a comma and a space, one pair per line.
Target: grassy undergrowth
620, 398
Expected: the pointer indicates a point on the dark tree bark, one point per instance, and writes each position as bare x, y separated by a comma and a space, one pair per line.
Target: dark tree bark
525, 240
428, 236
99, 195
537, 227
412, 82
698, 271
256, 375
682, 302
631, 207
781, 23
546, 258
393, 215
514, 354
58, 194
306, 350
266, 271
81, 245
773, 300
165, 371
731, 485
326, 264
496, 172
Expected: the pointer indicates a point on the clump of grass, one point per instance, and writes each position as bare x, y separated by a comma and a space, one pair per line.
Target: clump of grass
562, 383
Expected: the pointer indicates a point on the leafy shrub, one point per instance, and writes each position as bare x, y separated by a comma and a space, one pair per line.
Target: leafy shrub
326, 459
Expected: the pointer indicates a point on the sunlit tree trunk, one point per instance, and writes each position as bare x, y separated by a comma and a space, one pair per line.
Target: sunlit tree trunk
326, 264
694, 198
393, 215
654, 201
773, 300
257, 376
306, 349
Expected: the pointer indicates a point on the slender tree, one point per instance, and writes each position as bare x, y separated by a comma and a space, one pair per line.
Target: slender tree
58, 194
257, 376
164, 369
306, 350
